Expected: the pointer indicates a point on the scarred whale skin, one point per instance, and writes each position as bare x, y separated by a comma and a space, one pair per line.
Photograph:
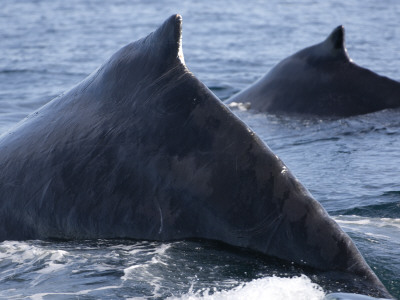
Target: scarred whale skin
142, 149
321, 80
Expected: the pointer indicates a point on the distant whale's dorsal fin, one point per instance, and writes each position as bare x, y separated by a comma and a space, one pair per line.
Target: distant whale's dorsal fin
331, 49
334, 44
169, 36
336, 39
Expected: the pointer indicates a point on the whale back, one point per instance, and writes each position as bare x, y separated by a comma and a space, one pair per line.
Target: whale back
321, 80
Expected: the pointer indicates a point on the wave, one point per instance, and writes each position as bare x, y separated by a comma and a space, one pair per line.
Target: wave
363, 221
382, 210
125, 269
41, 71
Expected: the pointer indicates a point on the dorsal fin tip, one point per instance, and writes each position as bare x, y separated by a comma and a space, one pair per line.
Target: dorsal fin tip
171, 32
336, 38
178, 28
175, 21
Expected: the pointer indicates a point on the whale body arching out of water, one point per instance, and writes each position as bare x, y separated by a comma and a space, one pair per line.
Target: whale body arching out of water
141, 149
320, 80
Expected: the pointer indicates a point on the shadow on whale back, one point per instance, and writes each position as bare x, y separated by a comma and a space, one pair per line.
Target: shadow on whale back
321, 80
142, 149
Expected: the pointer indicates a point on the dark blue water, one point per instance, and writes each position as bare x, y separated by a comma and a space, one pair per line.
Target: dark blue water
351, 165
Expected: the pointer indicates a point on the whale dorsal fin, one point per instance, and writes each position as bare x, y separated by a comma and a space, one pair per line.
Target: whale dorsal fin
331, 49
334, 44
155, 54
336, 39
169, 38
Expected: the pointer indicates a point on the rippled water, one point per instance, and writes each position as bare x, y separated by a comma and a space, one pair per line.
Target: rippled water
136, 269
350, 165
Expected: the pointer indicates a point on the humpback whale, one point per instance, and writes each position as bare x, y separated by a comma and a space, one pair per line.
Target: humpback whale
321, 80
142, 149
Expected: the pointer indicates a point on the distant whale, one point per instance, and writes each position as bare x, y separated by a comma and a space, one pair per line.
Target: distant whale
142, 149
321, 80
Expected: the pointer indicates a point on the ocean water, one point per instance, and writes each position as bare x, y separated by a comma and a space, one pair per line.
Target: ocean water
350, 165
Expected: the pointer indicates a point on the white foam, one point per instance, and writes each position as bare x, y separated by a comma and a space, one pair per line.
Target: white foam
22, 253
40, 296
239, 105
142, 270
376, 222
375, 230
354, 221
274, 288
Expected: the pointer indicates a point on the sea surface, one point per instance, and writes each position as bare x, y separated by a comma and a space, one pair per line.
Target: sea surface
351, 165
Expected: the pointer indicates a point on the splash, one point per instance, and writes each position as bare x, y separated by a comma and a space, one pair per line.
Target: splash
265, 288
